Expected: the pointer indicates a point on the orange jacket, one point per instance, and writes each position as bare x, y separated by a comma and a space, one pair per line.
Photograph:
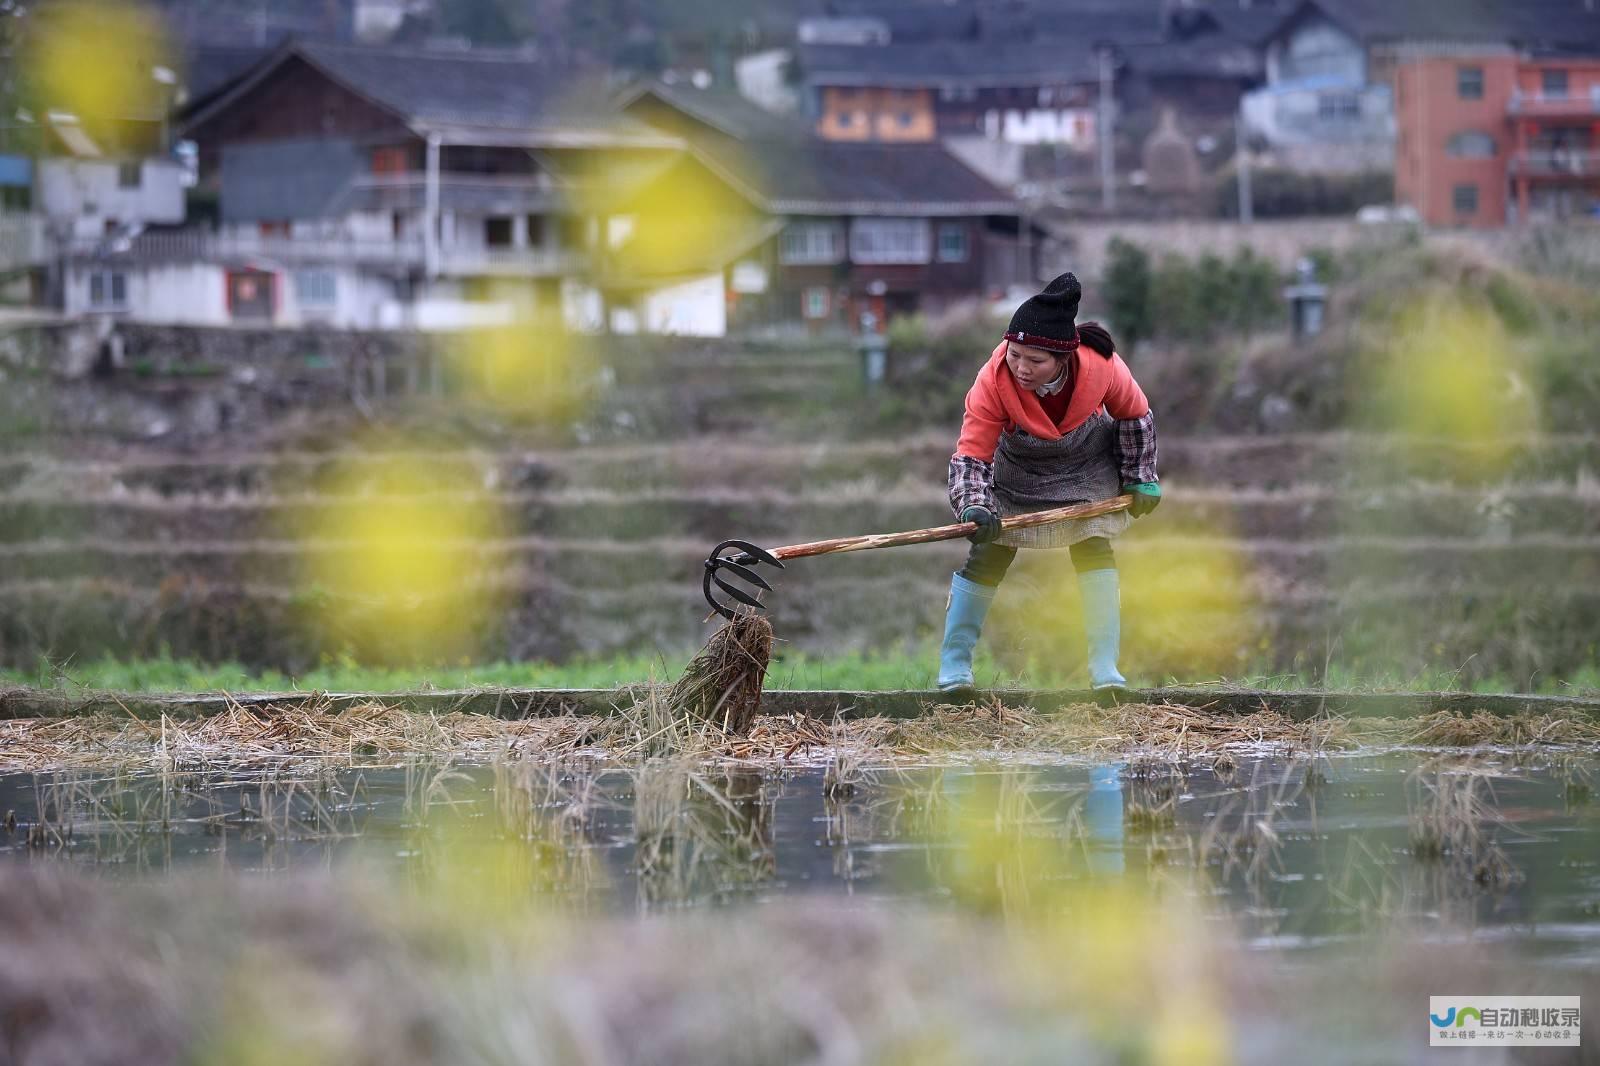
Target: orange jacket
995, 403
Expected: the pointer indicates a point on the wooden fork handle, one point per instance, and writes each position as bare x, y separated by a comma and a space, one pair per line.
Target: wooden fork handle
951, 532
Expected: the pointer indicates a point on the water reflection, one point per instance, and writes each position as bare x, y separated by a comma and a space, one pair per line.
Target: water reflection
1297, 852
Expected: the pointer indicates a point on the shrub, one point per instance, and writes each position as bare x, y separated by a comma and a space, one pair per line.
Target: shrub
1277, 193
1127, 292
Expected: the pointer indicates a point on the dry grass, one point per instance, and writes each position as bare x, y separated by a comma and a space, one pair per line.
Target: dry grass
652, 726
362, 734
722, 685
1446, 730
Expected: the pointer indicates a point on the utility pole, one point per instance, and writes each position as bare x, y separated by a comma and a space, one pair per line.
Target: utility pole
1241, 159
430, 209
1108, 148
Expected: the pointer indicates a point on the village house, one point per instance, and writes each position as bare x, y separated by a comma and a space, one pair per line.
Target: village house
860, 228
1044, 83
382, 188
1329, 98
96, 183
925, 91
1489, 137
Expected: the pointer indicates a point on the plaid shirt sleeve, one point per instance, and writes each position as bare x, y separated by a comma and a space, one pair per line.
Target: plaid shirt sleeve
971, 484
1136, 449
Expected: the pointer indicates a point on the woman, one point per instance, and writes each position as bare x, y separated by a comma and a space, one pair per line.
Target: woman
1054, 418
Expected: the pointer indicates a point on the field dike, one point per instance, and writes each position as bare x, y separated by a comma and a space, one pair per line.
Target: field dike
42, 731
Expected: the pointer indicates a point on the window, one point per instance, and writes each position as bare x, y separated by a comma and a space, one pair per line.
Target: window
890, 240
278, 228
815, 302
1473, 144
906, 119
536, 231
1469, 83
1338, 107
1465, 199
315, 288
497, 232
810, 242
845, 118
1553, 83
108, 290
130, 175
952, 243
389, 161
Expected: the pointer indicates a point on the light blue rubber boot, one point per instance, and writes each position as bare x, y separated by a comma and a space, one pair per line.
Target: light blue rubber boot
1102, 624
963, 621
1102, 819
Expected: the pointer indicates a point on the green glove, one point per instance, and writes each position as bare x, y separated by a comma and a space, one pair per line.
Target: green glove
988, 523
1146, 494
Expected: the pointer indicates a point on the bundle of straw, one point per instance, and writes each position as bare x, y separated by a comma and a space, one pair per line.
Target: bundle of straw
722, 685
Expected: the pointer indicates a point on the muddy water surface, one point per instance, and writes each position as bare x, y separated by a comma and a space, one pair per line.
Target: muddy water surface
1298, 854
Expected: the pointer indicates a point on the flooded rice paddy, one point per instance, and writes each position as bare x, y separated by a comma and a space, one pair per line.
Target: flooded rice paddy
1291, 852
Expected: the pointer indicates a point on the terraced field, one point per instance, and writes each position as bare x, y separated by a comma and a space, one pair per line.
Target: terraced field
1282, 553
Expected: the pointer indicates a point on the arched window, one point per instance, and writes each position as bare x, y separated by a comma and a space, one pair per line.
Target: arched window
1471, 144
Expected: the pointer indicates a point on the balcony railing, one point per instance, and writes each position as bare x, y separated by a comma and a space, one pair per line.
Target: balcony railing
1557, 163
204, 247
201, 246
468, 193
1570, 105
511, 262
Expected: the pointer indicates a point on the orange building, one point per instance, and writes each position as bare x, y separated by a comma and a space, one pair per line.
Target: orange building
1490, 137
851, 114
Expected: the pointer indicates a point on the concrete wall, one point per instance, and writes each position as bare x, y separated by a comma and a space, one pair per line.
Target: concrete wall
88, 193
360, 300
697, 308
195, 294
1082, 248
192, 294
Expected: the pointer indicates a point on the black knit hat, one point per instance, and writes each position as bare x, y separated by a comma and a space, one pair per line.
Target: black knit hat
1048, 320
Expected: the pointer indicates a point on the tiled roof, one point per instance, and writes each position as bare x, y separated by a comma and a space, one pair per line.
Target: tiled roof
911, 22
814, 176
469, 87
721, 109
782, 166
208, 68
1209, 57
948, 63
469, 91
1533, 23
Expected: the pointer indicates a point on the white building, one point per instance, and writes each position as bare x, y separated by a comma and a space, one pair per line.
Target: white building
381, 188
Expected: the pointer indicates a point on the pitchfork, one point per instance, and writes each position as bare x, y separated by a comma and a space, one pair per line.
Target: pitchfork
742, 564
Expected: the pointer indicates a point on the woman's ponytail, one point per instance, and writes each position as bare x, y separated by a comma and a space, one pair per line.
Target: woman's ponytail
1096, 336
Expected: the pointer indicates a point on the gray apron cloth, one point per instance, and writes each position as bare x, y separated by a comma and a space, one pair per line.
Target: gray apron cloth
1035, 475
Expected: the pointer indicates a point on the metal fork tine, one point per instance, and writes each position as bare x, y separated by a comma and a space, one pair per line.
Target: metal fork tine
737, 593
744, 572
741, 566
